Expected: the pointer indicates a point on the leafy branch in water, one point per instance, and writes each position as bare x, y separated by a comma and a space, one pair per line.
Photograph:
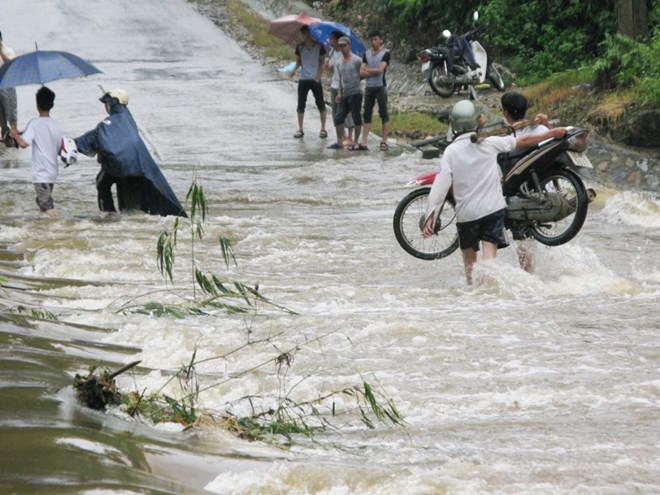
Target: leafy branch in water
218, 294
273, 418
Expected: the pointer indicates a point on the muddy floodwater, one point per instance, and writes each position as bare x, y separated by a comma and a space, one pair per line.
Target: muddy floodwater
543, 383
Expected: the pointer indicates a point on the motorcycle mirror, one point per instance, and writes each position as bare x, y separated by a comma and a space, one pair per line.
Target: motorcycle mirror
447, 34
475, 16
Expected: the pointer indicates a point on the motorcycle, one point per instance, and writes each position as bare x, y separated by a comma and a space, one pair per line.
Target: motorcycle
462, 61
546, 198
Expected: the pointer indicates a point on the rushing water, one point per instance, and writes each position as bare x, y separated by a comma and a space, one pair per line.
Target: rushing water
528, 384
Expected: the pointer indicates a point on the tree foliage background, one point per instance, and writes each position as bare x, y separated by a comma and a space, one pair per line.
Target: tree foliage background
534, 38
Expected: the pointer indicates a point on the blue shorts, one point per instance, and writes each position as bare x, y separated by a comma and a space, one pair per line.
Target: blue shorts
489, 228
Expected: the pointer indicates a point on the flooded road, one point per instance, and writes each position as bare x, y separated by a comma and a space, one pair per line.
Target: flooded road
530, 384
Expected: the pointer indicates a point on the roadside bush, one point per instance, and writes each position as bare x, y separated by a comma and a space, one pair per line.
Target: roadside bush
631, 65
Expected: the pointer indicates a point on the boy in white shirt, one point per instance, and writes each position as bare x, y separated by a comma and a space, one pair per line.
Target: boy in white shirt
44, 134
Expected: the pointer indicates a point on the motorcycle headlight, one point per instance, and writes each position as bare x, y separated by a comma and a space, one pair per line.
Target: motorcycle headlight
578, 142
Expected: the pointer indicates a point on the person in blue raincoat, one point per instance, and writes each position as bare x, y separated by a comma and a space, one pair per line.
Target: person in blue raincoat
126, 162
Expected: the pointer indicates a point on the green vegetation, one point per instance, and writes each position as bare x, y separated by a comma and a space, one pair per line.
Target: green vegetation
409, 124
257, 31
273, 418
219, 293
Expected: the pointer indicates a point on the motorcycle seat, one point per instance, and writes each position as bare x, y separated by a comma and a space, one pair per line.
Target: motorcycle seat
508, 160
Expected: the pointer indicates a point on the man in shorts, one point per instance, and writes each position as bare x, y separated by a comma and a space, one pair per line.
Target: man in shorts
349, 95
310, 57
374, 66
335, 57
472, 170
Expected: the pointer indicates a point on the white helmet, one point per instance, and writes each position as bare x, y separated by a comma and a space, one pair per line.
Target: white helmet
121, 95
464, 117
68, 152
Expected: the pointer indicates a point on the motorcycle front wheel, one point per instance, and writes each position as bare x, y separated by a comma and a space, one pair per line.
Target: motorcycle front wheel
436, 74
571, 187
409, 219
495, 78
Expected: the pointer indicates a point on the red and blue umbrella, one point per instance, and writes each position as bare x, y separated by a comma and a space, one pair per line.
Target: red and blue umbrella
321, 32
42, 66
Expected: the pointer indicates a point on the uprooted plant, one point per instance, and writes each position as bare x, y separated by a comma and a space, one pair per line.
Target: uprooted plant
218, 293
274, 418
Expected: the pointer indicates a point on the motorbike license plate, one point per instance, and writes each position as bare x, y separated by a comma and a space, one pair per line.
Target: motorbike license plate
580, 159
425, 66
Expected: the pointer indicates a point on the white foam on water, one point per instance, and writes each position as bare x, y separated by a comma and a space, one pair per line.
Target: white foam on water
632, 208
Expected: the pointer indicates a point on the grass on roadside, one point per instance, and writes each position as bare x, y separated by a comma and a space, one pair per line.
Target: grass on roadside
257, 28
410, 124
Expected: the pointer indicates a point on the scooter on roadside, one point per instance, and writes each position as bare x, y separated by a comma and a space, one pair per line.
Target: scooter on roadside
460, 61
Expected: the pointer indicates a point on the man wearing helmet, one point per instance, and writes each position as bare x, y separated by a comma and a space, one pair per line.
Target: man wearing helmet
472, 170
126, 162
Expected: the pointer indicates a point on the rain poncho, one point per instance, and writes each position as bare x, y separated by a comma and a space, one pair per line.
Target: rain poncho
122, 154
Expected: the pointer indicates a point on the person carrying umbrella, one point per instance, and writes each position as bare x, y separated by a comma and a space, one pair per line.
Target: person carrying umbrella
8, 100
126, 162
310, 56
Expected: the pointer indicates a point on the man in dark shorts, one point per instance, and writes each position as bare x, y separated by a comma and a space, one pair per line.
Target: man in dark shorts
374, 66
472, 170
310, 57
349, 94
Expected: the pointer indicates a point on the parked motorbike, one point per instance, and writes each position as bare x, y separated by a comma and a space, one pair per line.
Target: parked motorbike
546, 198
461, 61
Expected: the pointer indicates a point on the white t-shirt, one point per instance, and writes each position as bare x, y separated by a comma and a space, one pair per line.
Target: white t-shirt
473, 171
335, 58
44, 135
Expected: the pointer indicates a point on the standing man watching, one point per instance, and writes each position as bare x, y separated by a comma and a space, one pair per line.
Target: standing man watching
335, 57
310, 56
8, 102
374, 66
349, 95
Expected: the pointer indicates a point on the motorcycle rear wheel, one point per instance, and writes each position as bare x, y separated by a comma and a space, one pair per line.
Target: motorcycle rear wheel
569, 185
441, 89
409, 219
495, 78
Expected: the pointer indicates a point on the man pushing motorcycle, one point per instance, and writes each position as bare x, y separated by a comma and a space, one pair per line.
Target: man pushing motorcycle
472, 170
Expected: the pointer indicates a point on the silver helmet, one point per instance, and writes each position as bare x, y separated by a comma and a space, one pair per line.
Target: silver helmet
464, 117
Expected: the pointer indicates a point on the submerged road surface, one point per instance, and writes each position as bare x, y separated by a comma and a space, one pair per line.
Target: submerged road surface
543, 383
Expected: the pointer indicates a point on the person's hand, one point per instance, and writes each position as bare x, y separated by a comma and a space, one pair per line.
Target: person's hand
427, 230
541, 119
14, 133
558, 132
292, 73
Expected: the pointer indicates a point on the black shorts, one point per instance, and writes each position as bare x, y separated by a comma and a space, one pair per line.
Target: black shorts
489, 228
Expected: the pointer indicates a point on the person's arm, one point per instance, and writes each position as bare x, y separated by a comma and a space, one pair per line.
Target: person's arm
321, 64
437, 196
5, 53
298, 62
381, 67
88, 143
533, 140
18, 138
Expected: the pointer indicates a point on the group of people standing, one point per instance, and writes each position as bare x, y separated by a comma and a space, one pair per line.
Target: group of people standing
348, 70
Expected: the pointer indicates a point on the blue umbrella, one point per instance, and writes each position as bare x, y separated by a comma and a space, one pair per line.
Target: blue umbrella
40, 67
321, 32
